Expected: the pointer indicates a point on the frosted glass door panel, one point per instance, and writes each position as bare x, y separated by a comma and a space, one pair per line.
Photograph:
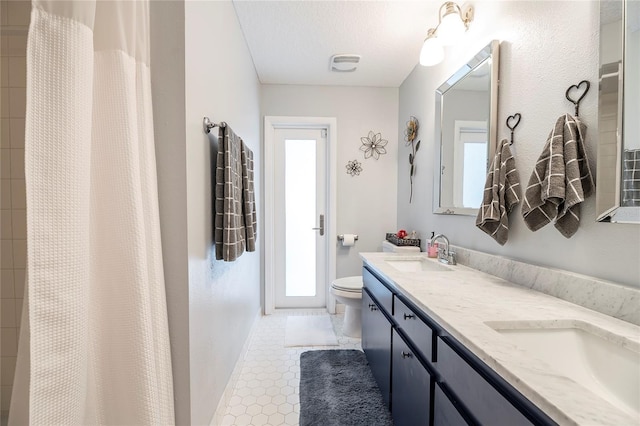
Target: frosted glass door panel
475, 157
300, 211
299, 200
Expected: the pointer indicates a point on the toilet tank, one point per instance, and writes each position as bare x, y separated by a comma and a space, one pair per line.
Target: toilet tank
388, 247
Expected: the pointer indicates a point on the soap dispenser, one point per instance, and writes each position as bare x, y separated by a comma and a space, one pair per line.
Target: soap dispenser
432, 247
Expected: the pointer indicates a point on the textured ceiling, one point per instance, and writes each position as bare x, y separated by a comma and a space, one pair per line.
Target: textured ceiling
291, 42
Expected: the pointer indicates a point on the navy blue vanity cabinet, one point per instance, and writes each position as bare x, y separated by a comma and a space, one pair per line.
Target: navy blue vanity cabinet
376, 334
426, 376
412, 386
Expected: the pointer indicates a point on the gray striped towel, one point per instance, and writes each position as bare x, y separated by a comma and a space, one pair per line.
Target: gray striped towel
631, 178
248, 199
501, 194
229, 232
561, 179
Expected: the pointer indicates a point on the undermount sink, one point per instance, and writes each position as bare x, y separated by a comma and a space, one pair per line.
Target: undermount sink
588, 355
416, 264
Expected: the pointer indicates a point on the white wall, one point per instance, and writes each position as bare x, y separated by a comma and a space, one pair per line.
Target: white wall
544, 50
365, 203
224, 297
201, 66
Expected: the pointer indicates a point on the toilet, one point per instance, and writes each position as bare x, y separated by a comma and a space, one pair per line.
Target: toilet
348, 291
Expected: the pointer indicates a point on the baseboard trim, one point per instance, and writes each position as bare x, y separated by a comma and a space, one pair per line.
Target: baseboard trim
233, 380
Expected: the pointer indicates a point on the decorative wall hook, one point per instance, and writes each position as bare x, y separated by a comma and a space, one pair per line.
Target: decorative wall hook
512, 123
584, 85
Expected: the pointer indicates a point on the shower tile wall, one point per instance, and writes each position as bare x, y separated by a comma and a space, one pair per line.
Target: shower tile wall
14, 16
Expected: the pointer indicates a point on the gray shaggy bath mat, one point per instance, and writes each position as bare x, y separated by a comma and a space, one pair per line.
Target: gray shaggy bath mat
337, 388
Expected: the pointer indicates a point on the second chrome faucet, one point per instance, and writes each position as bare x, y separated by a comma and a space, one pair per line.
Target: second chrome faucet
444, 254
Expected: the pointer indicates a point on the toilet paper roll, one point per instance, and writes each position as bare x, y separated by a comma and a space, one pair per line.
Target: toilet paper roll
349, 240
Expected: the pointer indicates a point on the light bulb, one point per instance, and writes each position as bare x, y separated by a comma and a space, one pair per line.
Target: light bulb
432, 52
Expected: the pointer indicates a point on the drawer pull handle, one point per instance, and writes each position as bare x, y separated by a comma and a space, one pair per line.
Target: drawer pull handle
409, 316
406, 354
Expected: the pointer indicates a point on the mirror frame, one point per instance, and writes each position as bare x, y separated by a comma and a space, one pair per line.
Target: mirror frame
608, 208
490, 51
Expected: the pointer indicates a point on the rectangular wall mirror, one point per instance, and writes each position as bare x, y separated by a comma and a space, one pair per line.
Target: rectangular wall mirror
618, 179
465, 133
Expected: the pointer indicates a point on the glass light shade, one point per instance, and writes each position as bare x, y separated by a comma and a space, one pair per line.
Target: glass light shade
432, 52
451, 28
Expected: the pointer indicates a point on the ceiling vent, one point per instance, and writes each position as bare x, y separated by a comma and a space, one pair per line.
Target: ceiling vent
344, 63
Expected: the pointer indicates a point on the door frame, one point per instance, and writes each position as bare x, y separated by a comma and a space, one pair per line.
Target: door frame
271, 123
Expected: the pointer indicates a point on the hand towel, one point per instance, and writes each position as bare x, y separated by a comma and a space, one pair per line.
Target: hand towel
501, 194
561, 179
248, 199
631, 178
229, 222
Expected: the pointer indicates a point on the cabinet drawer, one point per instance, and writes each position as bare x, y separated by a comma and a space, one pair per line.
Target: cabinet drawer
379, 291
444, 410
476, 394
420, 334
411, 386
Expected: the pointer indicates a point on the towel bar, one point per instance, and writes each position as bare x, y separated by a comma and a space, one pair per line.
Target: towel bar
207, 124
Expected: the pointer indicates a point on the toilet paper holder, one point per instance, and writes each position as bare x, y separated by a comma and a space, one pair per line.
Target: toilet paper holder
341, 237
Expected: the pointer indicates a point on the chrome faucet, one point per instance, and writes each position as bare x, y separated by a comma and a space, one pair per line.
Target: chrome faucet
444, 255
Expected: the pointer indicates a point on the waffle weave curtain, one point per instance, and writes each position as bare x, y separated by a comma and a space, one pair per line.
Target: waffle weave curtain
94, 345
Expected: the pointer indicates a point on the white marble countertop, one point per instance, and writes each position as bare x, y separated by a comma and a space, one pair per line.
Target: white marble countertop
464, 299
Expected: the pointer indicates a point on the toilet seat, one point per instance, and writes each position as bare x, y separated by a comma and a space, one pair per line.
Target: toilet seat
348, 284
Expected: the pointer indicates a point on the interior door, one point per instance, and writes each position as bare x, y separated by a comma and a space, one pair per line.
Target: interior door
300, 179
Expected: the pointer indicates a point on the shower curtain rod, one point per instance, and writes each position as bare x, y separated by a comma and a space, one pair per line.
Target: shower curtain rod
208, 124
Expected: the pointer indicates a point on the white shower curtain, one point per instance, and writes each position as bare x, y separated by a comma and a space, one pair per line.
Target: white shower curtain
96, 344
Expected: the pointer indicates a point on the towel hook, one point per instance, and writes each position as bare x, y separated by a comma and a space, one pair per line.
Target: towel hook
578, 87
512, 123
207, 124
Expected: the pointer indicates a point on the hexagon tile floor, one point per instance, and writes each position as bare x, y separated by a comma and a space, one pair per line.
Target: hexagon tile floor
268, 378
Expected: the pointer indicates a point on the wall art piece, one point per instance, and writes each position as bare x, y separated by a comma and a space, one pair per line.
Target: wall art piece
354, 167
373, 145
410, 135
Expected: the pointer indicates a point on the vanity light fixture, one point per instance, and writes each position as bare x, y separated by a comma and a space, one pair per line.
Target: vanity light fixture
432, 52
452, 24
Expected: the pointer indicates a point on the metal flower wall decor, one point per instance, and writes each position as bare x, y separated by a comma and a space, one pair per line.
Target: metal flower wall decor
373, 145
354, 167
410, 135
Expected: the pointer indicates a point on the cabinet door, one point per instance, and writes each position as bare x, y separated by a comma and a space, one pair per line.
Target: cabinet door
376, 343
482, 400
411, 384
444, 411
